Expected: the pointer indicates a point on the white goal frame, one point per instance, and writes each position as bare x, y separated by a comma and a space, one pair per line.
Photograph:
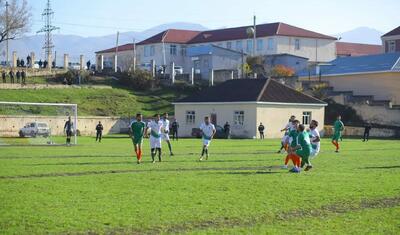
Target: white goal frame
73, 106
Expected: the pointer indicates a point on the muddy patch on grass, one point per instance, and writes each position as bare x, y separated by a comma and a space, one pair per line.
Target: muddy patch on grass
84, 173
226, 222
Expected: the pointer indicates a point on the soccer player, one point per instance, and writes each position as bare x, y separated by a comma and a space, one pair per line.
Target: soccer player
137, 129
208, 131
367, 129
287, 129
68, 131
302, 150
338, 127
155, 127
165, 134
315, 141
292, 134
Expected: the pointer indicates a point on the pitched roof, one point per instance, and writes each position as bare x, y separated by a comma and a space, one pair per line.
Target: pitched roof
263, 30
357, 49
251, 90
361, 64
394, 32
171, 36
125, 47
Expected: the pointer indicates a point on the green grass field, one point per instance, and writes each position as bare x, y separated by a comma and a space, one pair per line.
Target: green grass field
98, 188
96, 102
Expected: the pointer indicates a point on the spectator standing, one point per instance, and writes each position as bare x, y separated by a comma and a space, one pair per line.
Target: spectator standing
99, 132
174, 128
23, 76
227, 130
28, 61
11, 74
261, 129
367, 128
40, 64
18, 75
3, 75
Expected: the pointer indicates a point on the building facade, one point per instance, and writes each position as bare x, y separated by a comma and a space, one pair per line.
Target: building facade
391, 41
244, 104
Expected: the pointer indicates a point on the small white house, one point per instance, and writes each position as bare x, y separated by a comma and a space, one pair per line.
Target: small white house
244, 104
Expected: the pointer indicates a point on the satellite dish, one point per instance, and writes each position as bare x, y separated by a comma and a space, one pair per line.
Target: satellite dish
250, 31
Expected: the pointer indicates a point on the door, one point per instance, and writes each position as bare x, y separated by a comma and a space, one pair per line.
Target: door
214, 118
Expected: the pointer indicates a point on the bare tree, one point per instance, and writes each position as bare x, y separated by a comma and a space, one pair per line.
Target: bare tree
14, 19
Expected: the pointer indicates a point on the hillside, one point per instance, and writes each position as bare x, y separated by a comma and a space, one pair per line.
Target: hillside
100, 102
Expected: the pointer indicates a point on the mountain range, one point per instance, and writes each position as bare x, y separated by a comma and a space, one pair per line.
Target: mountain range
76, 45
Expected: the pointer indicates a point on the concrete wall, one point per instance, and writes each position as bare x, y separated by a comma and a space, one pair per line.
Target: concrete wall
275, 117
383, 86
10, 125
359, 131
124, 62
49, 86
224, 112
378, 114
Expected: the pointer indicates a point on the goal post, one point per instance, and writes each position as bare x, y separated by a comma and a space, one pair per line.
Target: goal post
29, 123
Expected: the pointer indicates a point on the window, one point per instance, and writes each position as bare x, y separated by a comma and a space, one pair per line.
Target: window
229, 45
239, 45
270, 43
152, 50
146, 51
183, 50
172, 49
238, 118
391, 46
190, 117
260, 44
249, 45
306, 118
297, 44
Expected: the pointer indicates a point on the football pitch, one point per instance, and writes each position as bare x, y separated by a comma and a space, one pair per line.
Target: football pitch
99, 189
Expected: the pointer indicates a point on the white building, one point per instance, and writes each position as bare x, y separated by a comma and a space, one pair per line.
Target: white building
244, 104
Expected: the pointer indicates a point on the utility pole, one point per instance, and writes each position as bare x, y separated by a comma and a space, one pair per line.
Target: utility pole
254, 35
134, 55
116, 54
48, 14
7, 56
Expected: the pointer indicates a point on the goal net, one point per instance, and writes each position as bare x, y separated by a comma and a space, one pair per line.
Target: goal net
37, 123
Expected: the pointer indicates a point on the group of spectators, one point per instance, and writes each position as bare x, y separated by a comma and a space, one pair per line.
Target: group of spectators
19, 75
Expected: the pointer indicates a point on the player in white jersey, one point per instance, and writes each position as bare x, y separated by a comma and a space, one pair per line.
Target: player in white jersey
286, 139
165, 133
315, 139
208, 131
155, 127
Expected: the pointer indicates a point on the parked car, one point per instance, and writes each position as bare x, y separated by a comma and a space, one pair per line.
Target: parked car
220, 134
33, 129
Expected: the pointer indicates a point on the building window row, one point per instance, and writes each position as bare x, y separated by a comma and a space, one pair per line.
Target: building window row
238, 118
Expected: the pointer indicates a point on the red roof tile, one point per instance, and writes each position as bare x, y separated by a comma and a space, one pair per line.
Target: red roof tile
171, 36
394, 32
357, 49
126, 47
263, 30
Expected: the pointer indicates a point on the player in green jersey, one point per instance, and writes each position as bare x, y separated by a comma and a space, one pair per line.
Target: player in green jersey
338, 127
137, 129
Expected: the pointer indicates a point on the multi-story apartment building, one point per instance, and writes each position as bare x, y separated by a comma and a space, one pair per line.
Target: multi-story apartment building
172, 46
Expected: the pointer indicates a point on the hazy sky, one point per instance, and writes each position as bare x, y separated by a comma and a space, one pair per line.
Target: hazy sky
101, 17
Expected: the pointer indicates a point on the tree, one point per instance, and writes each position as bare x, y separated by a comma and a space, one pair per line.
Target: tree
282, 71
15, 21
